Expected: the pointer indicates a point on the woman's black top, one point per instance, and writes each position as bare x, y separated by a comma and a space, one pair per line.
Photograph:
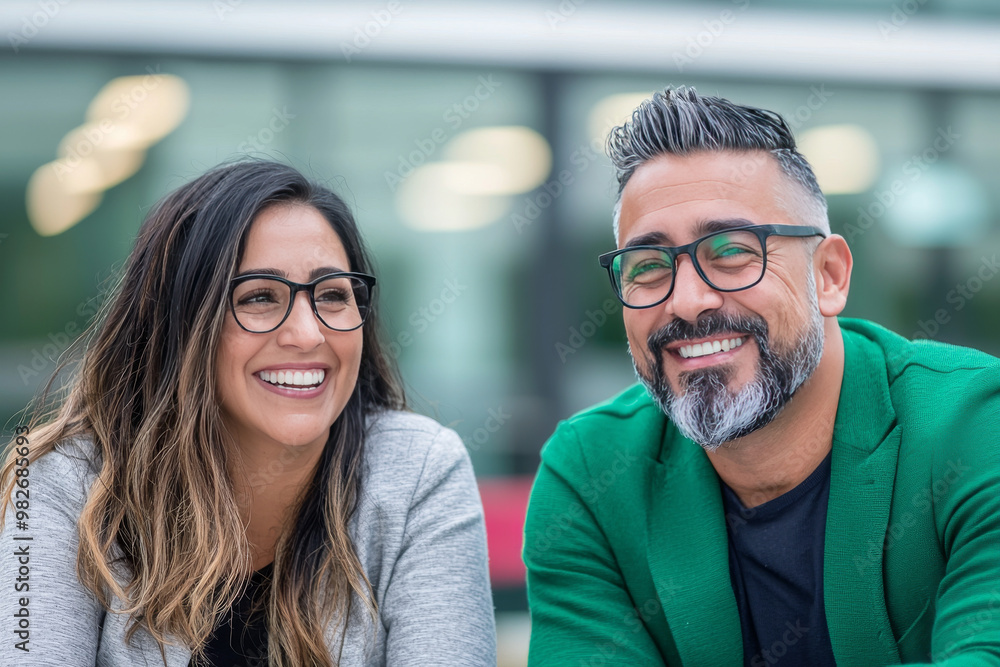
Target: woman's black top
240, 640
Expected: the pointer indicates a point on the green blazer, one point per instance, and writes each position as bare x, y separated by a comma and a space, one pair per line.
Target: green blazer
626, 544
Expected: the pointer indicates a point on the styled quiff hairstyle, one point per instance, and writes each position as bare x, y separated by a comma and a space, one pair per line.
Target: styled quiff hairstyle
162, 535
678, 121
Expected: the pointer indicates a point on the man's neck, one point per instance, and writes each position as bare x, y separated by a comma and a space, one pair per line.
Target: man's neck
775, 459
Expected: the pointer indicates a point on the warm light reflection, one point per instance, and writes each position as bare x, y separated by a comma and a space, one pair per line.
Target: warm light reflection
844, 158
514, 159
427, 201
611, 111
52, 208
128, 115
471, 187
141, 109
100, 171
474, 178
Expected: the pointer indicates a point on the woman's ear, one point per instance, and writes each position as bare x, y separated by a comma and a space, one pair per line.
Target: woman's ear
832, 263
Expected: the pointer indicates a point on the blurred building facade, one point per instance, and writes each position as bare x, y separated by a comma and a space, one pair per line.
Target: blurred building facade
468, 139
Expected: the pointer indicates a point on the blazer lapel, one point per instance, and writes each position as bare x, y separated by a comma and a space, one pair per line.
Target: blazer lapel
689, 556
863, 466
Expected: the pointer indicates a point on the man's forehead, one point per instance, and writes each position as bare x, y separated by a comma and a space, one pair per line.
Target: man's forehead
703, 171
736, 182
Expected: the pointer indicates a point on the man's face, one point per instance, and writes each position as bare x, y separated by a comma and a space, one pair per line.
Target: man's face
773, 331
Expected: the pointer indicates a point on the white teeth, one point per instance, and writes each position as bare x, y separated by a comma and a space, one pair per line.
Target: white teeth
713, 347
306, 380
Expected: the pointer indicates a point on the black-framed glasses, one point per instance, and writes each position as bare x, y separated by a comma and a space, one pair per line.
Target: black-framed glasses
728, 260
261, 303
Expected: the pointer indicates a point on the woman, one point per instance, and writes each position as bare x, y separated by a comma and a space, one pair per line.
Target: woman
231, 478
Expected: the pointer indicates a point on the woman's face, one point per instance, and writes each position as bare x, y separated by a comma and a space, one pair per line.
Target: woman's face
291, 241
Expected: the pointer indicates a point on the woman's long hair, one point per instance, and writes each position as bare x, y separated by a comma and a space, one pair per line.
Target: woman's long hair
144, 391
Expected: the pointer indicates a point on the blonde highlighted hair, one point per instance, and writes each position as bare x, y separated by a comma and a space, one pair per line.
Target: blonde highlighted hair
161, 529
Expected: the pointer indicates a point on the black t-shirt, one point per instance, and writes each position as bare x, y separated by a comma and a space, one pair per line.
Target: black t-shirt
776, 567
241, 638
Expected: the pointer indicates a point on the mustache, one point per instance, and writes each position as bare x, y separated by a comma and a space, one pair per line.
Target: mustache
710, 325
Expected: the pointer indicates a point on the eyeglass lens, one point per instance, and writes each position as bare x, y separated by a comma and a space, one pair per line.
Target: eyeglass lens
729, 260
260, 304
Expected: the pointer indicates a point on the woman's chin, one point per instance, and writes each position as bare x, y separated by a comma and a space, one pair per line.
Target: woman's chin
295, 436
306, 440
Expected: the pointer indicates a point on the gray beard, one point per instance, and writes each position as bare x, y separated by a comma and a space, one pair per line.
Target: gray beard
707, 411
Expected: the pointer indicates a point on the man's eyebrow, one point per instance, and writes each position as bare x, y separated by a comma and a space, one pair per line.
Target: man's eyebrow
650, 238
701, 228
313, 275
267, 272
709, 226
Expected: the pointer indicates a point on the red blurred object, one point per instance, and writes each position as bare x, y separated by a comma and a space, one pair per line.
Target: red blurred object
505, 502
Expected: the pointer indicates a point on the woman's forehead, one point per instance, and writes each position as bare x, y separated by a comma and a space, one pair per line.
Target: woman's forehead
286, 235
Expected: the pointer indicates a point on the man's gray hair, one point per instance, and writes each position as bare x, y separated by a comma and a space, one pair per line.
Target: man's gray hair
678, 121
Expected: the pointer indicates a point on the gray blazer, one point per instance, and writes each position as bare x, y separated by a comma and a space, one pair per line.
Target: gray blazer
418, 531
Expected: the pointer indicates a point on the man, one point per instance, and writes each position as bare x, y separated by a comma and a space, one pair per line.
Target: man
783, 487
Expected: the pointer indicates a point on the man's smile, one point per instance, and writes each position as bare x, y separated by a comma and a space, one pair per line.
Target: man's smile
694, 353
707, 347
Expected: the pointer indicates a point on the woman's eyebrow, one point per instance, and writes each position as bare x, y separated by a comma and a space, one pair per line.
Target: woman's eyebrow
267, 272
313, 275
323, 270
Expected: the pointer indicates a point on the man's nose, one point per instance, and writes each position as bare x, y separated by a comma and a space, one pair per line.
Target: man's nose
691, 297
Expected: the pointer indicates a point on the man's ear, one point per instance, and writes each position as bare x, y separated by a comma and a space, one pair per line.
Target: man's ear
832, 263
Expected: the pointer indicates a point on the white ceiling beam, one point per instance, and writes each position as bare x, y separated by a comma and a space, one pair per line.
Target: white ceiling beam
890, 47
